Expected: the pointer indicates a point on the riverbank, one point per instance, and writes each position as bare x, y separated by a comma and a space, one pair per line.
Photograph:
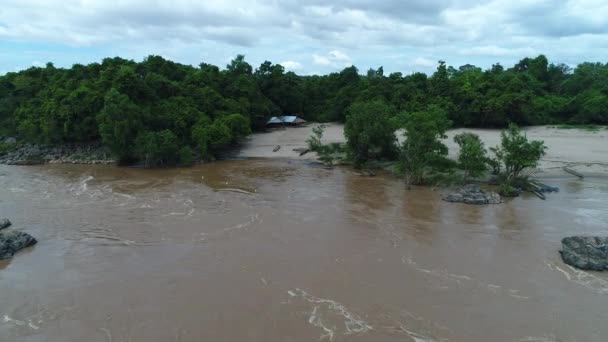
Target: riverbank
33, 154
585, 151
582, 150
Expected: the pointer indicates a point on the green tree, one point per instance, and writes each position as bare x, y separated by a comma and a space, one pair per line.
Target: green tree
516, 153
157, 148
118, 124
472, 156
368, 132
422, 146
239, 125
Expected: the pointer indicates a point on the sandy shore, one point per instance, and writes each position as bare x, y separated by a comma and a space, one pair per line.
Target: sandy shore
582, 150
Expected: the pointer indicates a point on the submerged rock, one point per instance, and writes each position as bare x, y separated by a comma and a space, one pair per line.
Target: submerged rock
586, 252
472, 194
4, 223
12, 242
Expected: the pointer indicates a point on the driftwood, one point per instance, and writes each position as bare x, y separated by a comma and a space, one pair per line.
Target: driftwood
572, 172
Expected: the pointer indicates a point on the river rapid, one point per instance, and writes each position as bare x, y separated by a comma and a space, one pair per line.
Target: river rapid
278, 250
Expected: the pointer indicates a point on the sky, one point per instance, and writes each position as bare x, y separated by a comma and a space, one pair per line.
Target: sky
305, 36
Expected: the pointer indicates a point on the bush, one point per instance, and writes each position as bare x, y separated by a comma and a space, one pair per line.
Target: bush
157, 148
472, 157
327, 153
186, 157
368, 132
516, 153
422, 147
239, 125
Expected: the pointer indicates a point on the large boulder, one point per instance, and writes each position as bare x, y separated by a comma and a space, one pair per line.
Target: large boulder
472, 194
586, 252
13, 241
4, 223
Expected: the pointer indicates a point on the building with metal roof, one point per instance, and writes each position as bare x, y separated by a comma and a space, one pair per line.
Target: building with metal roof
285, 120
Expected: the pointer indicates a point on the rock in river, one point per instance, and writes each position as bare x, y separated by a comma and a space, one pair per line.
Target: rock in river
4, 223
13, 241
472, 194
586, 252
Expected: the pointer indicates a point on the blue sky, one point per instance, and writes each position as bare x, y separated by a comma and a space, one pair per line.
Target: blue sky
306, 36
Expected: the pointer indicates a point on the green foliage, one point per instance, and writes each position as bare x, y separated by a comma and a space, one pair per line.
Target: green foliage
186, 156
6, 148
327, 153
368, 132
117, 100
157, 148
472, 156
505, 189
118, 124
516, 153
422, 146
239, 125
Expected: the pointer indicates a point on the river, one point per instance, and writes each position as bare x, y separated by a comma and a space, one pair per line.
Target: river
277, 250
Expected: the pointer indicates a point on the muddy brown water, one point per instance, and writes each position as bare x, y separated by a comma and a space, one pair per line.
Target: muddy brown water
274, 250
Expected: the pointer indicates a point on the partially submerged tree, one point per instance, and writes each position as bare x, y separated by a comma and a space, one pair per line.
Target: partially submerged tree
157, 148
472, 156
422, 146
368, 132
516, 153
327, 153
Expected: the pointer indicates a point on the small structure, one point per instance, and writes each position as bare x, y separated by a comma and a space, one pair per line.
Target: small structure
285, 120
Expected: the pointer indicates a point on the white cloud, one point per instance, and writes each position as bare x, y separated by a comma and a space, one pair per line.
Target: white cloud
424, 62
366, 31
291, 65
334, 59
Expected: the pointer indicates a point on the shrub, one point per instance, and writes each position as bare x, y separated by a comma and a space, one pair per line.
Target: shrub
472, 157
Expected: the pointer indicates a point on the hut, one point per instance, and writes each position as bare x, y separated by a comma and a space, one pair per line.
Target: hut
285, 120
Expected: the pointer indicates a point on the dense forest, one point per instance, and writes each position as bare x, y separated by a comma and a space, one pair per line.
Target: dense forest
160, 111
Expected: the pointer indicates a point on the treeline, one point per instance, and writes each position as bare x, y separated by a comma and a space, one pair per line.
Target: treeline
162, 112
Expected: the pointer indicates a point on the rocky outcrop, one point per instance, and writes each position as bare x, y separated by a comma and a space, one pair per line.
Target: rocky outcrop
30, 154
11, 242
472, 194
4, 223
586, 252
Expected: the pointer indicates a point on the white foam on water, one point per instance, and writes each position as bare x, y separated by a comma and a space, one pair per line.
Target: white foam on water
564, 272
459, 279
252, 219
590, 281
403, 329
315, 320
353, 323
21, 323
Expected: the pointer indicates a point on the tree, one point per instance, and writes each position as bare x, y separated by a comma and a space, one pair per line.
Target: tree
157, 148
368, 132
118, 124
239, 125
516, 153
472, 156
422, 146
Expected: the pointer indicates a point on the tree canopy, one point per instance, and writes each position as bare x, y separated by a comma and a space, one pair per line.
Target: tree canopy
208, 108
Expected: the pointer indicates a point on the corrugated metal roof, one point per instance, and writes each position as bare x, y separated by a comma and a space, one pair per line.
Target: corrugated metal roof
288, 118
274, 120
285, 119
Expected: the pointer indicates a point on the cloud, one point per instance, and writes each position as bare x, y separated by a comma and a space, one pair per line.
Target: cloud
334, 59
291, 65
366, 31
424, 62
